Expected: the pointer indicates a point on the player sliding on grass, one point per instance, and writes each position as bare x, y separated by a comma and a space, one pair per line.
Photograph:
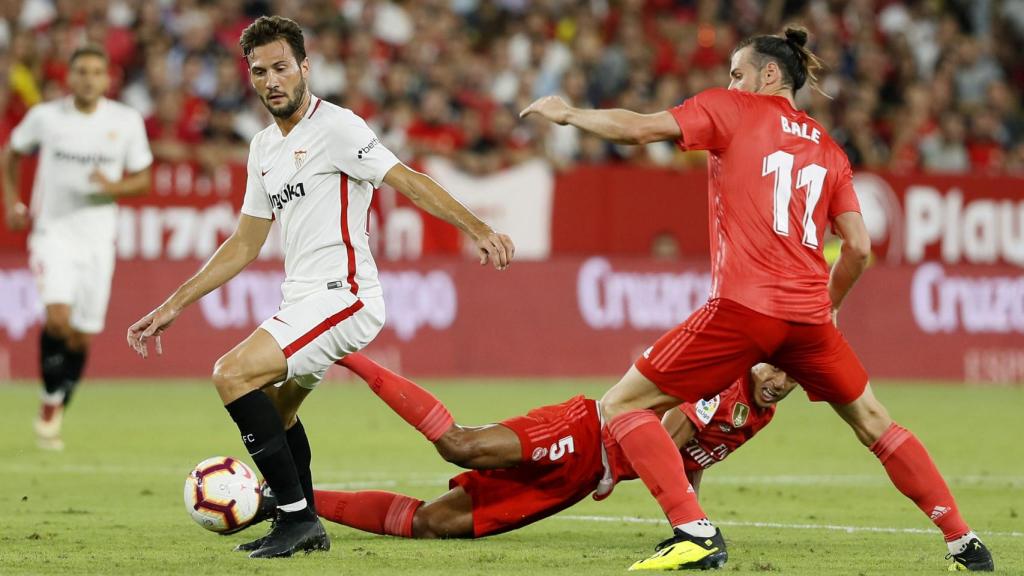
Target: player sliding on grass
527, 468
776, 180
314, 171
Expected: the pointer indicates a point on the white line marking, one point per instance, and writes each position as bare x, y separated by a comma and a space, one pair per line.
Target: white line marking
750, 524
347, 480
442, 480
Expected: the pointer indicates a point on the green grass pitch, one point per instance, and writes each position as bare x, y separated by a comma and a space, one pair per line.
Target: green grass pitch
802, 498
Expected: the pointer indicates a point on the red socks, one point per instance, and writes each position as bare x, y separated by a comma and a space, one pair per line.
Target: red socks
912, 471
657, 461
369, 510
414, 404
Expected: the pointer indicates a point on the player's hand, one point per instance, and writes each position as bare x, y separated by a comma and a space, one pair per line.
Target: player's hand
151, 325
496, 248
103, 184
16, 216
552, 108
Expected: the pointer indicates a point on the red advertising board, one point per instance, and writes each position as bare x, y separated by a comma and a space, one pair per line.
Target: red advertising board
613, 210
564, 316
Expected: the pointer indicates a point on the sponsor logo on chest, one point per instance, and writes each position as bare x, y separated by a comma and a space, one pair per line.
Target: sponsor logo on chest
289, 193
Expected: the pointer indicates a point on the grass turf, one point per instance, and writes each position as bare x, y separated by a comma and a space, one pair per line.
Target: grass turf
111, 502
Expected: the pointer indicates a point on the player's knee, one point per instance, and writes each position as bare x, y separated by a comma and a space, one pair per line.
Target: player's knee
458, 446
870, 422
228, 374
432, 522
78, 341
58, 324
425, 523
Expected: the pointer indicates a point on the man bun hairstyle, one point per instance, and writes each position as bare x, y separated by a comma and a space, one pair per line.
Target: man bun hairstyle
798, 64
267, 29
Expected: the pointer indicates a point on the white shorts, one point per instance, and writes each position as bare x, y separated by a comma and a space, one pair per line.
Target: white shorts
74, 271
322, 328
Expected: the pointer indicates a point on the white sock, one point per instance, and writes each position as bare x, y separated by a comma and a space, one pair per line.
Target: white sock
960, 544
294, 506
52, 399
702, 528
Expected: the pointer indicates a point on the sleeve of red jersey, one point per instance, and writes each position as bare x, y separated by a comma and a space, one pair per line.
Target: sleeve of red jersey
709, 120
844, 199
700, 412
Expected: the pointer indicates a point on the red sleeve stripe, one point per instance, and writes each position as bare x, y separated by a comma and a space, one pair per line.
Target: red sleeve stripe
320, 328
346, 237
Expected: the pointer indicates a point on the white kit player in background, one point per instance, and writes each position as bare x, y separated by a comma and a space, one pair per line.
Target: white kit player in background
314, 171
92, 151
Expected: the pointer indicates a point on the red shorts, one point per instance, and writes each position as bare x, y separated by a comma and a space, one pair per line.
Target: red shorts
720, 342
561, 465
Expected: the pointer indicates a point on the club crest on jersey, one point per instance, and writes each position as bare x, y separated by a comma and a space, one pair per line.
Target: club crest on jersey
287, 194
739, 414
300, 158
706, 409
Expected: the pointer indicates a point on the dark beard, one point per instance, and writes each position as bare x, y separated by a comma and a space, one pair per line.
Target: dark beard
294, 101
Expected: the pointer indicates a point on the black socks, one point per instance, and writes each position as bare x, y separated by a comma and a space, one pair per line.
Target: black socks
60, 367
264, 437
74, 363
298, 442
52, 355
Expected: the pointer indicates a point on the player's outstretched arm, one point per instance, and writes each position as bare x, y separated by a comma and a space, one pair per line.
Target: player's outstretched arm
853, 257
241, 248
616, 125
15, 211
423, 191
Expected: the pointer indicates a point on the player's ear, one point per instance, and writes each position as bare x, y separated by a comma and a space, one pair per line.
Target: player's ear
770, 73
304, 67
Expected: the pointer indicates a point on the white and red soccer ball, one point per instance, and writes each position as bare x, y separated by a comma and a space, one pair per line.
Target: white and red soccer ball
222, 494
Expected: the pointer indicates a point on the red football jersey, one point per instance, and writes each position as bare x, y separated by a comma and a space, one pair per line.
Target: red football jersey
723, 424
776, 179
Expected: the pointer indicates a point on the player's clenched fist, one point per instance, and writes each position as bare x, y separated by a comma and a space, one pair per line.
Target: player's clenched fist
552, 108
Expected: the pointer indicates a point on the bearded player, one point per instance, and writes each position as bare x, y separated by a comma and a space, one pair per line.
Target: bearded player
530, 467
314, 171
776, 180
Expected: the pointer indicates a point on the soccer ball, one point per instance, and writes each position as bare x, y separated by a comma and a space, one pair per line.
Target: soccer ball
222, 494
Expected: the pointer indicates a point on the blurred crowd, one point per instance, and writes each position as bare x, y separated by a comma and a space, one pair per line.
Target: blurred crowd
917, 85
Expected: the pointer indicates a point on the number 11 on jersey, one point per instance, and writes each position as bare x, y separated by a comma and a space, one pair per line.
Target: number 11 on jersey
811, 177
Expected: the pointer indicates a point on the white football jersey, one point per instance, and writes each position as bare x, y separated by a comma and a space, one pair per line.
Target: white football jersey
72, 145
317, 182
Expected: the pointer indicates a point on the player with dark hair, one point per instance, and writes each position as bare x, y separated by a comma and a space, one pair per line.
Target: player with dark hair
92, 152
776, 180
530, 467
314, 171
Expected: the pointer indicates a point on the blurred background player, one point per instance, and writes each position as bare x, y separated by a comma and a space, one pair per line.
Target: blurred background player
313, 170
776, 181
527, 468
92, 151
